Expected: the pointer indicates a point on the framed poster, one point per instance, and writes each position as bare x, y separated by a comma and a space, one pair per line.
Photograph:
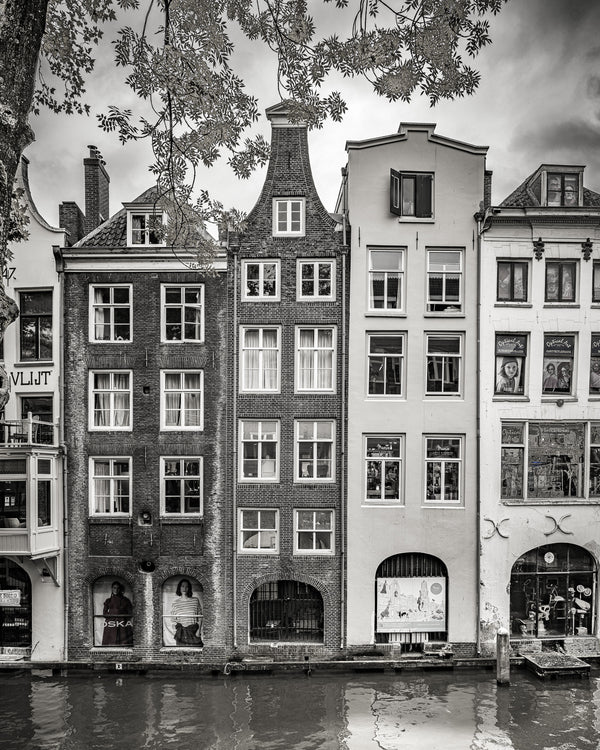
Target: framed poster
407, 605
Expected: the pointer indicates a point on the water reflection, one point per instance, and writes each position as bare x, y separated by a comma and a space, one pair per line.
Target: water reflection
428, 711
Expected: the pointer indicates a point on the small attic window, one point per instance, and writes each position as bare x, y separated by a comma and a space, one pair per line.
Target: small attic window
562, 189
143, 226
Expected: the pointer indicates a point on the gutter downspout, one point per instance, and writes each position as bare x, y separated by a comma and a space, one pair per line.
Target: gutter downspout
343, 495
234, 446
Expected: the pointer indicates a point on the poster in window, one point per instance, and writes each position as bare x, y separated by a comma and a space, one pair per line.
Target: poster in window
595, 364
559, 350
510, 356
113, 613
406, 605
182, 608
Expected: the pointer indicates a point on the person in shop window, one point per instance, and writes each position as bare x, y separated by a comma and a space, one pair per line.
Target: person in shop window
186, 613
550, 381
508, 376
564, 377
117, 611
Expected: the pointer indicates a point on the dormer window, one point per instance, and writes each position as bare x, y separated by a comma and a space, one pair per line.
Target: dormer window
288, 217
411, 194
562, 189
142, 228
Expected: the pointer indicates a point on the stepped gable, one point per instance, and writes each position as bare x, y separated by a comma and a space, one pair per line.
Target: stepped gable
523, 196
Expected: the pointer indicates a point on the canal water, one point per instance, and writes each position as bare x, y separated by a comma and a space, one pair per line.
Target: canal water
424, 711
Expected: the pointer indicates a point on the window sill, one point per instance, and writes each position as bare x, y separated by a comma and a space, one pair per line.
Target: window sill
115, 342
261, 299
183, 520
444, 506
415, 220
266, 553
119, 520
315, 299
382, 504
510, 303
552, 399
552, 501
521, 399
386, 314
178, 649
319, 553
384, 397
445, 314
554, 305
112, 650
34, 363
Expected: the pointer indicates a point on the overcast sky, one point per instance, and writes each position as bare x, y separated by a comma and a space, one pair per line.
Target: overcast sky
538, 101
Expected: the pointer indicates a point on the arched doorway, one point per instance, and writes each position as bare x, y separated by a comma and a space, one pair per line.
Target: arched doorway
286, 611
15, 606
411, 600
552, 592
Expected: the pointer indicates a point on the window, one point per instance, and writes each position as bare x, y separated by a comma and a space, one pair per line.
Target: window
596, 283
444, 354
110, 486
411, 194
313, 532
513, 451
261, 280
182, 400
386, 280
383, 473
511, 354
181, 483
315, 280
563, 189
560, 281
41, 409
35, 325
512, 281
182, 612
183, 313
259, 454
44, 492
386, 356
259, 530
110, 317
594, 486
443, 469
113, 613
314, 445
559, 352
145, 228
110, 400
288, 217
595, 365
286, 611
444, 280
260, 357
315, 361
13, 493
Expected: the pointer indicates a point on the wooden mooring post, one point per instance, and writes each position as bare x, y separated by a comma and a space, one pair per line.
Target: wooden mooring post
502, 657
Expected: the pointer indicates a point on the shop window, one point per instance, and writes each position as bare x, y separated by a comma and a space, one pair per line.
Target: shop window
313, 532
181, 482
385, 362
559, 353
512, 281
315, 359
110, 400
183, 612
560, 281
110, 312
411, 194
596, 283
259, 530
286, 611
259, 455
383, 467
562, 189
595, 365
182, 400
315, 280
288, 217
386, 280
182, 313
443, 469
35, 322
444, 281
314, 450
113, 613
444, 356
260, 359
110, 480
145, 228
13, 493
594, 486
15, 614
511, 357
260, 280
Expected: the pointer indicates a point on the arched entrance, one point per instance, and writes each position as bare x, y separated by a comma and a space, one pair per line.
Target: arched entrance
286, 611
411, 600
15, 606
552, 592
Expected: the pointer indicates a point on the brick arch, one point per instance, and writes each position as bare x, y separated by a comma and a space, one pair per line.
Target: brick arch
90, 578
163, 573
286, 576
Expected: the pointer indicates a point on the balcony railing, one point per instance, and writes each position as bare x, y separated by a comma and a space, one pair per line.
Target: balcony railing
28, 431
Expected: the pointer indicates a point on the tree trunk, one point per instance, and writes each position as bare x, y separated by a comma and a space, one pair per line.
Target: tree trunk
22, 24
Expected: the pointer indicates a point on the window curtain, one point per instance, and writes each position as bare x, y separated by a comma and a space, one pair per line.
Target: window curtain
305, 359
192, 399
121, 399
324, 360
270, 360
251, 364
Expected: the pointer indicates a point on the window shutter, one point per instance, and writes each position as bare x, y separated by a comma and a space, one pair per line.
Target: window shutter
423, 207
395, 205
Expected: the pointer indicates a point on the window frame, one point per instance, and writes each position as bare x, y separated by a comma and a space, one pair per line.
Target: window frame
510, 346
37, 319
401, 356
111, 306
315, 349
261, 351
596, 282
315, 263
314, 459
383, 458
314, 550
561, 280
444, 306
261, 263
259, 528
459, 336
556, 348
287, 201
112, 392
147, 230
181, 478
259, 479
164, 427
387, 274
422, 185
459, 461
113, 478
512, 264
182, 305
562, 203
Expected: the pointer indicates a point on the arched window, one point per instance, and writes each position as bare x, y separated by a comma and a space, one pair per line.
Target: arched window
410, 599
552, 592
113, 613
286, 611
182, 606
15, 612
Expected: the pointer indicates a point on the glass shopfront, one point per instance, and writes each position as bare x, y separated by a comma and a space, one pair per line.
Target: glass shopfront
15, 606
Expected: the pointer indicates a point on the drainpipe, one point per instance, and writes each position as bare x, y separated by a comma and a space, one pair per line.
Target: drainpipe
234, 452
343, 496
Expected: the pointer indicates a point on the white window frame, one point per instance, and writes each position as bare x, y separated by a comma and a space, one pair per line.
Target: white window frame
445, 273
112, 478
259, 440
458, 501
148, 214
182, 306
260, 350
181, 478
314, 530
315, 296
400, 273
183, 391
111, 306
287, 204
459, 357
261, 263
112, 393
311, 462
315, 349
386, 356
259, 528
386, 463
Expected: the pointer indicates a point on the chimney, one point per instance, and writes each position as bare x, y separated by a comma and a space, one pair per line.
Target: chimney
487, 188
71, 218
96, 190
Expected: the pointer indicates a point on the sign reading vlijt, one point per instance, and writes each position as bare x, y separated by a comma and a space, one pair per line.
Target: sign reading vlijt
10, 598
